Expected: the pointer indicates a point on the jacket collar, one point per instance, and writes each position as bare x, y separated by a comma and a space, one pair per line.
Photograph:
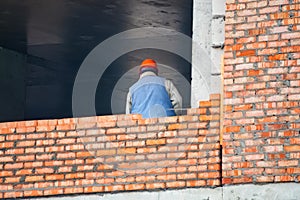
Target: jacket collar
147, 74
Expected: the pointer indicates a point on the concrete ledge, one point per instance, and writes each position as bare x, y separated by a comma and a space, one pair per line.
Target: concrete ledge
280, 191
184, 194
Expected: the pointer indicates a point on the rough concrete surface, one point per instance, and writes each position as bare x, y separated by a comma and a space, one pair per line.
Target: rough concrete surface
185, 194
201, 62
281, 191
208, 39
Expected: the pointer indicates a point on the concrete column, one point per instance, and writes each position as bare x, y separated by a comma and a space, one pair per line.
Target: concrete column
208, 42
218, 39
201, 65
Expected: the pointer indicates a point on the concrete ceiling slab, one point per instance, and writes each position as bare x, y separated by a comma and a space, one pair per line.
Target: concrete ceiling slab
57, 35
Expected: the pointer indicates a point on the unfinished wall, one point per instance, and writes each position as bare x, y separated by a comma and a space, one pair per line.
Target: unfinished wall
262, 93
110, 154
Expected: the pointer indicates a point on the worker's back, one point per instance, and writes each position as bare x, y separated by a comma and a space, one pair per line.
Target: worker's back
150, 98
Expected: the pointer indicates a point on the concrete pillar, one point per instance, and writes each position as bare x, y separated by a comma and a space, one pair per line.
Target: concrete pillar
208, 42
218, 39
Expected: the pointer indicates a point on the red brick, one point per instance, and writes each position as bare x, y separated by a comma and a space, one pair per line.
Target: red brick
66, 155
34, 178
242, 180
137, 129
293, 170
45, 142
14, 194
55, 149
253, 171
186, 176
54, 177
25, 130
35, 136
44, 128
127, 123
254, 157
116, 130
12, 179
232, 159
96, 189
156, 142
13, 166
177, 126
176, 184
53, 191
295, 155
83, 154
206, 175
151, 186
14, 137
33, 164
295, 140
34, 150
6, 173
284, 178
73, 190
44, 170
48, 156
243, 165
33, 193
126, 151
7, 130
77, 175
64, 183
265, 179
226, 181
7, 159
269, 149
278, 57
276, 156
287, 163
66, 141
135, 187
251, 149
148, 121
14, 151
112, 188
232, 173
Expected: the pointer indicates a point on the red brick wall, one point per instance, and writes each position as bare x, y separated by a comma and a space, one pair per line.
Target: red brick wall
262, 93
110, 153
123, 153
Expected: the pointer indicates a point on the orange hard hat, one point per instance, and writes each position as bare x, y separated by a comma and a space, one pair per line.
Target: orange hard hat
148, 63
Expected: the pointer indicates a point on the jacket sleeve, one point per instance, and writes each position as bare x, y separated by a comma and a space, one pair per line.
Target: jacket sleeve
128, 103
174, 95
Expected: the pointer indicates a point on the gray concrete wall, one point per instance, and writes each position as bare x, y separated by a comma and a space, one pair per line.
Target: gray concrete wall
208, 43
12, 85
281, 191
